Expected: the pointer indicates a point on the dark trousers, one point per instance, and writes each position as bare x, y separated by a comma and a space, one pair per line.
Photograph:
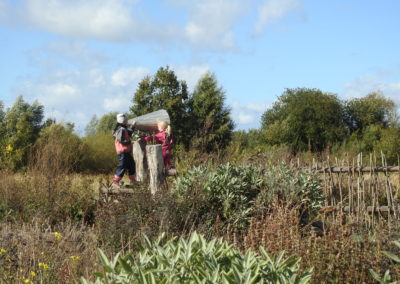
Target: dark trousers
125, 162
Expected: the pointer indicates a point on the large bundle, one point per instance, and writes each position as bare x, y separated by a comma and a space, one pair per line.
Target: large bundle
148, 122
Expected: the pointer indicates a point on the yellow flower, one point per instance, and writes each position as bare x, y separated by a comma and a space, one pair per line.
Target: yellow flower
43, 265
2, 251
9, 148
33, 273
57, 235
27, 281
75, 257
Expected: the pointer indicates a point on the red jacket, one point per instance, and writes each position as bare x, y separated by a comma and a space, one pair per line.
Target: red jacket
123, 142
163, 139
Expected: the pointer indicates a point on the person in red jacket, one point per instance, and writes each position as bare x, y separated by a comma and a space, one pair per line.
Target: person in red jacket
123, 147
165, 138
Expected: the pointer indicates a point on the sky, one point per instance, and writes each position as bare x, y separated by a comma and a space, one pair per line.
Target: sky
80, 58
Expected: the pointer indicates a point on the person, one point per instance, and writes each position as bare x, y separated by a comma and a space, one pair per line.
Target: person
165, 138
123, 147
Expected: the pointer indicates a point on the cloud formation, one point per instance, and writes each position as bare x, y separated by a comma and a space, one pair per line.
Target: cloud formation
272, 10
207, 24
364, 85
108, 20
248, 115
211, 22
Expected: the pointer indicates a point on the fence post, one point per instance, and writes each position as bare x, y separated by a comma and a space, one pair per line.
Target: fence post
155, 163
139, 154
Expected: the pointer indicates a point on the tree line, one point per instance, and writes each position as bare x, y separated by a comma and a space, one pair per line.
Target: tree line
301, 119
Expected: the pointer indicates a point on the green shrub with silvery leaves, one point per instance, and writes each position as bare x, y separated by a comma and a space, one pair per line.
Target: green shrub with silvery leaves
292, 187
195, 260
234, 193
226, 192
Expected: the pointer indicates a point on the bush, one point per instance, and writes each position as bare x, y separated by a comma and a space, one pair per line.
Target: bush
292, 187
224, 194
195, 260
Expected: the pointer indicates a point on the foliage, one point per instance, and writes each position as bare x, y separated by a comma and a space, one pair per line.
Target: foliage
293, 187
57, 151
389, 145
100, 156
305, 119
228, 192
387, 279
211, 119
373, 109
164, 91
195, 260
105, 124
21, 126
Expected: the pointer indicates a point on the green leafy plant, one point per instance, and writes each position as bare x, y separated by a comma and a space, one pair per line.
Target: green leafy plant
228, 191
386, 278
195, 260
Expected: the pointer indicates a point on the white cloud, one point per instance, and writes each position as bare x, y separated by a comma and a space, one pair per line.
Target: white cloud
211, 22
248, 115
364, 85
272, 10
57, 94
126, 76
191, 74
245, 118
118, 104
102, 19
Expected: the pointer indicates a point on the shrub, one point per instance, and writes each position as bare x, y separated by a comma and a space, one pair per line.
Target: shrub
195, 260
293, 187
225, 193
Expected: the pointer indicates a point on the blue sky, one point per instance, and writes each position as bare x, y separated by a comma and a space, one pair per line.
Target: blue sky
80, 58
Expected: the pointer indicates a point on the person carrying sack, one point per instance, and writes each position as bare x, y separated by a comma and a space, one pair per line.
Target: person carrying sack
123, 146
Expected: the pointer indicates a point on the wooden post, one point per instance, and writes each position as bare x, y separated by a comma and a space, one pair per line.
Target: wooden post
139, 154
156, 167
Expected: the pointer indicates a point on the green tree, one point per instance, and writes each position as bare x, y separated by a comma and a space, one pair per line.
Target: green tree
58, 150
305, 119
369, 110
2, 126
164, 91
210, 117
91, 128
22, 125
106, 123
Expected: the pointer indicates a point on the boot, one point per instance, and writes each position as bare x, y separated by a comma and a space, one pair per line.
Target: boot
115, 183
133, 180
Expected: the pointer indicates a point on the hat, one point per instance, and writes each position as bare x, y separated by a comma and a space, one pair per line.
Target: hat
121, 118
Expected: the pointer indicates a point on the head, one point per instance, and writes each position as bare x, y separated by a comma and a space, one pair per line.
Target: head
121, 118
163, 125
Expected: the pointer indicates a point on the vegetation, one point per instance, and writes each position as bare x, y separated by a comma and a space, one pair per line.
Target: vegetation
245, 208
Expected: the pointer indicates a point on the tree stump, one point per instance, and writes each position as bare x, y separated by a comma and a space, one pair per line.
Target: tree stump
155, 163
139, 155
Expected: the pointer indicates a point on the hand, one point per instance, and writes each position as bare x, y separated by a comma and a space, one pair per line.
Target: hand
133, 123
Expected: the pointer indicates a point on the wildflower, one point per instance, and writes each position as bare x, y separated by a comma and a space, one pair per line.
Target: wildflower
8, 257
75, 257
27, 280
2, 251
57, 235
43, 265
33, 273
9, 148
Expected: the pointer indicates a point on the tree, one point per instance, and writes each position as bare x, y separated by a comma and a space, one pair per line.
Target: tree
305, 119
369, 110
91, 128
22, 125
164, 91
210, 117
